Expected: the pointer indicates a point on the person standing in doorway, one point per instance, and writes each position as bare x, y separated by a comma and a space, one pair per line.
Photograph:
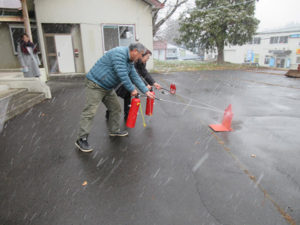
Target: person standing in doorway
114, 67
28, 58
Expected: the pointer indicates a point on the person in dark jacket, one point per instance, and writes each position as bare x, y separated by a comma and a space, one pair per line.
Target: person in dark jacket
140, 67
114, 67
28, 57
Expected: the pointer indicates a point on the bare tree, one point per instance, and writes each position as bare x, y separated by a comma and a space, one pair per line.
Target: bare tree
170, 31
172, 9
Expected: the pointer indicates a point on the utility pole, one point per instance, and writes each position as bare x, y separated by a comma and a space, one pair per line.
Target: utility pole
26, 19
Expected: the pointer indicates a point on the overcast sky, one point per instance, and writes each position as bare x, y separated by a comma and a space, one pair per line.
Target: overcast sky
277, 13
271, 13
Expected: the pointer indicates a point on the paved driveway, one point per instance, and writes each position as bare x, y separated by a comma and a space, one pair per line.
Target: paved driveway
175, 171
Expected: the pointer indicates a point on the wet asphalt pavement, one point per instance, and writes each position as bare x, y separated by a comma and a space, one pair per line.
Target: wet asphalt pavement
176, 171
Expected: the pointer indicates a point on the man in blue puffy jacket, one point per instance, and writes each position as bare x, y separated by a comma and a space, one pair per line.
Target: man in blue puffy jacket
114, 67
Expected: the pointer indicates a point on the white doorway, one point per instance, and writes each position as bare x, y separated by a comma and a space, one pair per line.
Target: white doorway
162, 55
65, 55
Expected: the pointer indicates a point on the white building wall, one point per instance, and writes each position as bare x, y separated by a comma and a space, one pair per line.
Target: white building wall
91, 44
211, 55
295, 44
237, 54
159, 54
91, 14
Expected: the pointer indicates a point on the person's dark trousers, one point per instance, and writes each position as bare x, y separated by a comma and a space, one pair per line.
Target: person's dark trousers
127, 101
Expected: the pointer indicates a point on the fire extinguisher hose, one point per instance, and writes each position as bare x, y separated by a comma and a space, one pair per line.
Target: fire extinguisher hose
144, 123
165, 89
206, 106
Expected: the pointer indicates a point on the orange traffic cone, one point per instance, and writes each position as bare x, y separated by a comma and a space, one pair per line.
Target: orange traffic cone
226, 123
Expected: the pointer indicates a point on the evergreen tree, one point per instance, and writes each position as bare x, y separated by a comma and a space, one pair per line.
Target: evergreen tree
213, 24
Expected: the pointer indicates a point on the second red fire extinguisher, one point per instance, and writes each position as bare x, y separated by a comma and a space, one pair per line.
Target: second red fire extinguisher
173, 88
132, 115
149, 106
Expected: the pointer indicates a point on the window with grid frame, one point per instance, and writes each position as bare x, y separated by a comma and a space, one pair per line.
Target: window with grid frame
272, 40
283, 39
279, 39
256, 40
117, 35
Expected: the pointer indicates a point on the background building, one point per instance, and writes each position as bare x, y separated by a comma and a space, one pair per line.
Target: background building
278, 49
11, 28
165, 51
160, 50
73, 34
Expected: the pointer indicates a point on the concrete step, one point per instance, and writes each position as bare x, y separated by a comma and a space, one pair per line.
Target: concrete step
67, 76
3, 88
11, 74
23, 103
12, 92
16, 102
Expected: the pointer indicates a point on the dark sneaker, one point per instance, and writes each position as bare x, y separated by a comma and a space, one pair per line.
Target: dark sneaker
83, 145
107, 115
118, 133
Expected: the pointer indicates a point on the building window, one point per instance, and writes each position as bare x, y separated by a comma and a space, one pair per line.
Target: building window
281, 39
256, 41
117, 35
15, 33
126, 35
274, 40
267, 59
171, 51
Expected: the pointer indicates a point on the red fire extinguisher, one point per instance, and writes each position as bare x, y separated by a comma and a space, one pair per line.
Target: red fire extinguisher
132, 115
173, 88
149, 106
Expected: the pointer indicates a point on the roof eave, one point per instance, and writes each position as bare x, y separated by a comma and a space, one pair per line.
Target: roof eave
155, 3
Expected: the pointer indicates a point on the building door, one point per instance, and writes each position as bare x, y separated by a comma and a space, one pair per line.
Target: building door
155, 54
65, 55
288, 63
280, 62
162, 55
272, 62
